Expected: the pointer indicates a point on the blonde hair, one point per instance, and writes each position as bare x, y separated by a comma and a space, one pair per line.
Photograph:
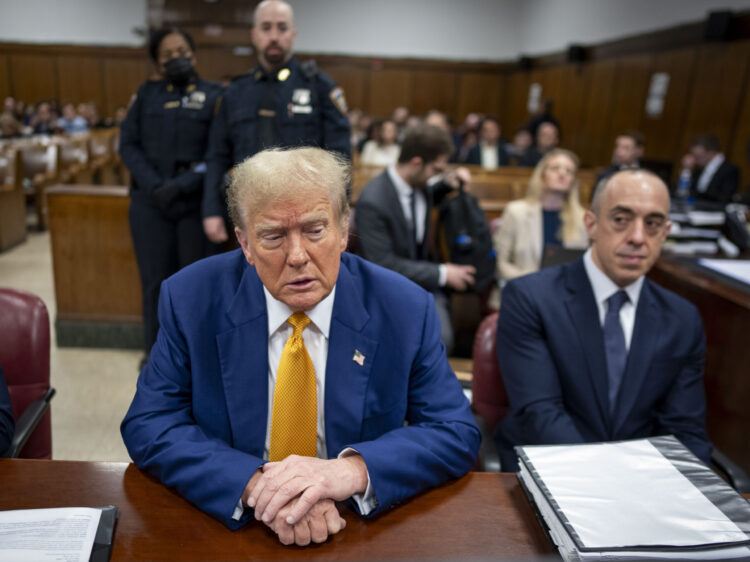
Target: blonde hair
571, 214
287, 174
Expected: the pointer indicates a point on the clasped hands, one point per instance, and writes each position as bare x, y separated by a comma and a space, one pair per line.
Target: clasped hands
295, 497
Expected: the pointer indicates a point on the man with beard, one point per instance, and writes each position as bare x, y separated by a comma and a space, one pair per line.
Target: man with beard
281, 102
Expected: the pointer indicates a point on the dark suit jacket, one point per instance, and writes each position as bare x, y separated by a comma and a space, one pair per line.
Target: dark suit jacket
384, 235
475, 155
551, 349
198, 419
7, 425
530, 158
721, 188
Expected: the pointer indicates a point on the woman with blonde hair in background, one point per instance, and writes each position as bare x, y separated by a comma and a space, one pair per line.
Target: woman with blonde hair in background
550, 215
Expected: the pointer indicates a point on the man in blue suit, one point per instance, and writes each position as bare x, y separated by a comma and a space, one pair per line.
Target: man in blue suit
201, 420
592, 350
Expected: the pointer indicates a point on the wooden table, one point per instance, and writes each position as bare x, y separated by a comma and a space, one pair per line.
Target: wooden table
482, 515
724, 305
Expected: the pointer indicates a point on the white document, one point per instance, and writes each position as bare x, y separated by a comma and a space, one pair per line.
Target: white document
61, 534
706, 218
737, 269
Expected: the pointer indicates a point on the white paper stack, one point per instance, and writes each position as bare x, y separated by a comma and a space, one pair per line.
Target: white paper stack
634, 500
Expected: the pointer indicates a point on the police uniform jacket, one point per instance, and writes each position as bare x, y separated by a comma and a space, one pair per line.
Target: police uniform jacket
308, 110
165, 135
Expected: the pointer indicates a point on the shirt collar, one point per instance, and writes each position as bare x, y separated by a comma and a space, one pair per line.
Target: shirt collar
715, 162
279, 312
604, 287
402, 188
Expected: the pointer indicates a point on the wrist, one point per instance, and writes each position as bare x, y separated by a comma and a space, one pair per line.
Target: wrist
357, 470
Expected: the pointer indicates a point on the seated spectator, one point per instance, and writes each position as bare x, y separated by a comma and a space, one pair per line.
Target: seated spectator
550, 214
71, 123
465, 144
593, 350
9, 127
367, 127
43, 122
383, 150
547, 138
400, 117
438, 119
7, 424
626, 155
522, 140
120, 114
94, 120
543, 115
490, 151
714, 179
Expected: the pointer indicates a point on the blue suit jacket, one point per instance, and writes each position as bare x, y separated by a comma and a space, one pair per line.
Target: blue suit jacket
7, 424
551, 349
198, 419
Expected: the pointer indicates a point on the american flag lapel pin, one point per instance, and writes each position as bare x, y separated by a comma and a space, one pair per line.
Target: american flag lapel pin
358, 358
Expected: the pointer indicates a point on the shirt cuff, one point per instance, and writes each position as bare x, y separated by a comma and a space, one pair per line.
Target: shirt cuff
238, 511
442, 275
366, 502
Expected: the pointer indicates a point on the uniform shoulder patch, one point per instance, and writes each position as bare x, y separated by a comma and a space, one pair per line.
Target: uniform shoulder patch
339, 100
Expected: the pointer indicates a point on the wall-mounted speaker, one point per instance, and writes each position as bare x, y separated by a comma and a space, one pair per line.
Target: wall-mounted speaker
524, 63
576, 53
718, 26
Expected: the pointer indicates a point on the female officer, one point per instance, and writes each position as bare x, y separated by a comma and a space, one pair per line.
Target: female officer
163, 143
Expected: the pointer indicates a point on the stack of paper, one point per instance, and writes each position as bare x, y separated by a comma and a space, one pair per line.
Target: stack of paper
634, 500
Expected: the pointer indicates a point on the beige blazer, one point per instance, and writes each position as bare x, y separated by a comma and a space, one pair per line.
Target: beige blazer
518, 241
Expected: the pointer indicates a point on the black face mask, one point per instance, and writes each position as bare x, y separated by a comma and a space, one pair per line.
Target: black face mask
178, 70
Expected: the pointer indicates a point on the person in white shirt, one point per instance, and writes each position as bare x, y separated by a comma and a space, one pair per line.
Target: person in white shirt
714, 179
383, 150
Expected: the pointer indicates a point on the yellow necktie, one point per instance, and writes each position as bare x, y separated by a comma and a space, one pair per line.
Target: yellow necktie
295, 406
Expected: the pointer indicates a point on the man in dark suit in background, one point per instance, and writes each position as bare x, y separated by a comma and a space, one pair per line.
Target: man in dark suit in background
490, 151
7, 424
714, 178
592, 350
627, 154
388, 234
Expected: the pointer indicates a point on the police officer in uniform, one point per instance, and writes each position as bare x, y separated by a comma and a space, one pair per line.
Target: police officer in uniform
163, 142
280, 103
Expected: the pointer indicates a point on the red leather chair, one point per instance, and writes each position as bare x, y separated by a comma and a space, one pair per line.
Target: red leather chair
489, 400
24, 356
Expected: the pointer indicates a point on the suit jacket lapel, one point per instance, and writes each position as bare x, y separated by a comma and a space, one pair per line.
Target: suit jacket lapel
349, 345
584, 314
642, 344
394, 203
243, 356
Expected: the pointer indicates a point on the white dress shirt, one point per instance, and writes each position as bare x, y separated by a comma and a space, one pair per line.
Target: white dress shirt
604, 288
404, 191
488, 156
708, 172
315, 336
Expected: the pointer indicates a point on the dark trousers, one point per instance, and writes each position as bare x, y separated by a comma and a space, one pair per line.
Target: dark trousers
162, 247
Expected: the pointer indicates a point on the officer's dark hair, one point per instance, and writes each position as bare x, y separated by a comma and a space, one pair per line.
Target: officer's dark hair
709, 142
635, 135
158, 35
427, 142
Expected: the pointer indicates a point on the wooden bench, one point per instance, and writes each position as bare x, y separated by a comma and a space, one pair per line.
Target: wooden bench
12, 200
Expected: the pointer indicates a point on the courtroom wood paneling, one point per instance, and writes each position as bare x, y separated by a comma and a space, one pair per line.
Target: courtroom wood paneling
632, 77
433, 89
717, 89
95, 272
121, 80
354, 81
570, 105
596, 146
34, 77
5, 89
517, 95
663, 134
480, 92
389, 89
216, 63
738, 153
80, 80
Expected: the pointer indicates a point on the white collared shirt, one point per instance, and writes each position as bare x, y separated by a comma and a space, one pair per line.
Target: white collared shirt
488, 156
708, 172
604, 288
404, 191
315, 336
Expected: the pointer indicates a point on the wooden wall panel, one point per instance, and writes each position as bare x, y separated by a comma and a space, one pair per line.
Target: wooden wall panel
80, 80
479, 92
717, 90
664, 133
216, 63
632, 77
389, 89
570, 105
34, 77
5, 89
121, 80
354, 81
738, 152
433, 89
595, 145
517, 95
